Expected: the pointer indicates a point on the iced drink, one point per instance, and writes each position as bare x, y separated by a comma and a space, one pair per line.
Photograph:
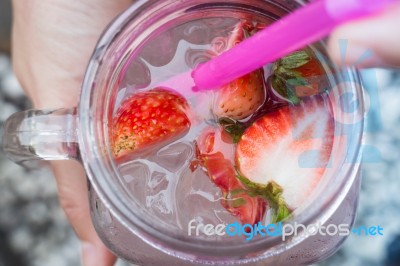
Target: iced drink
251, 151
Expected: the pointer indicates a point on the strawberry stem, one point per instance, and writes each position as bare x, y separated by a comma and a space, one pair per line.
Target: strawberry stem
272, 192
234, 128
238, 202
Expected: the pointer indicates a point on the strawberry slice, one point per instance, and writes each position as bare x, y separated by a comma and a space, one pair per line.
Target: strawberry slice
148, 120
283, 155
216, 156
242, 97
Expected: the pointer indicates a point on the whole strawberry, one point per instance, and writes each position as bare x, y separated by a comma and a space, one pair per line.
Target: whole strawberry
147, 120
243, 96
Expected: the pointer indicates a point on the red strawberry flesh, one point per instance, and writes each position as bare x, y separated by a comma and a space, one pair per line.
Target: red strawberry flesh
290, 147
149, 119
216, 153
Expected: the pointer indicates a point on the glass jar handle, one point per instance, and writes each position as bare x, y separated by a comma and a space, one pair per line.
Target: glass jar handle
41, 135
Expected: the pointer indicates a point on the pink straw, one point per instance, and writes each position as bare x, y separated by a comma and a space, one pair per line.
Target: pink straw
300, 28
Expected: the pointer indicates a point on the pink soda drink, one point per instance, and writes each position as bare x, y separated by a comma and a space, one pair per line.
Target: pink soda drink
268, 149
251, 151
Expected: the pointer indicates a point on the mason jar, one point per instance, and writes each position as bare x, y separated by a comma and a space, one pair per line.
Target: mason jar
140, 227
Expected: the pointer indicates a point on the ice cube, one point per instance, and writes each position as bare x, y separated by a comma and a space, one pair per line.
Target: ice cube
198, 198
159, 202
135, 176
158, 181
174, 156
137, 75
162, 49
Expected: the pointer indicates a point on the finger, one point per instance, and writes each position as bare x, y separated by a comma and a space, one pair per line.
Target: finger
73, 194
372, 42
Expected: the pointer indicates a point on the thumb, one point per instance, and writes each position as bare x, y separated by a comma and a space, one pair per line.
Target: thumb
371, 42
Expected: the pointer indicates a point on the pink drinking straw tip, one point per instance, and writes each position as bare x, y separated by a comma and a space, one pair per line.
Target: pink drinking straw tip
304, 26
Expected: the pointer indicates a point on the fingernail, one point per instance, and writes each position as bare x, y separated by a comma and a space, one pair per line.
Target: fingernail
88, 253
360, 56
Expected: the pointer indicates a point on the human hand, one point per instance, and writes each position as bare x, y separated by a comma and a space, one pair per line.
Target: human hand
380, 34
52, 44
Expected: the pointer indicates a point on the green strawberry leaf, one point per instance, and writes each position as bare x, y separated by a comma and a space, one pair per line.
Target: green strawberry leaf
238, 202
285, 89
298, 81
295, 60
272, 192
285, 77
235, 192
234, 128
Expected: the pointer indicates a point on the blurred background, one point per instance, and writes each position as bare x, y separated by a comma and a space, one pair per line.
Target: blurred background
34, 231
